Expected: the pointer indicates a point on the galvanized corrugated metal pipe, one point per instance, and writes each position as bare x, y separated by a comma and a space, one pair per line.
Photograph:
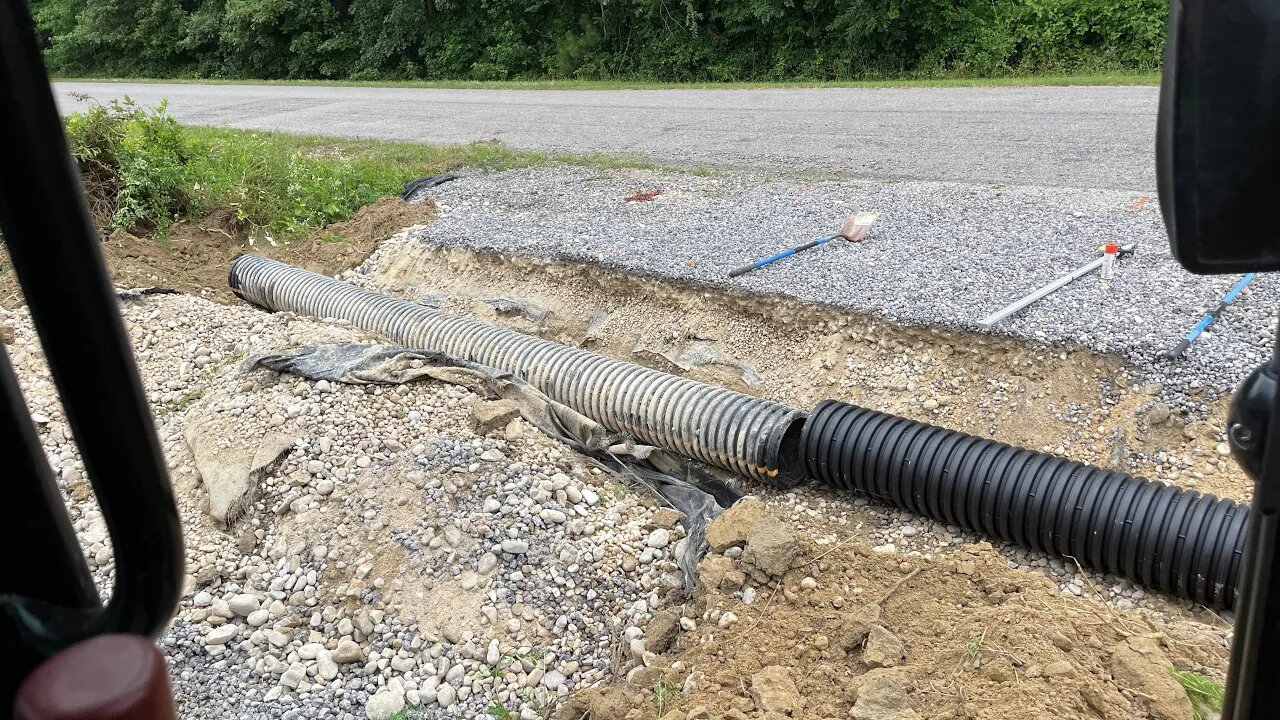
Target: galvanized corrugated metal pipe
751, 436
1181, 542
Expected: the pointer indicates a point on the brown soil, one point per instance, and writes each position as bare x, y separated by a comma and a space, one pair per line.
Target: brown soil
979, 641
196, 255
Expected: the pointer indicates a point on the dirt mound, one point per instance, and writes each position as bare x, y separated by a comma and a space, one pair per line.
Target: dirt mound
382, 219
196, 255
849, 632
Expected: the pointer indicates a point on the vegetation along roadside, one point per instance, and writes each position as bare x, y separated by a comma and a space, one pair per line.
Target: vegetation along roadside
174, 203
687, 40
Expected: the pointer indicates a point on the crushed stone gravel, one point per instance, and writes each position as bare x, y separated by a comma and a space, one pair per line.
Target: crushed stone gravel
941, 254
391, 558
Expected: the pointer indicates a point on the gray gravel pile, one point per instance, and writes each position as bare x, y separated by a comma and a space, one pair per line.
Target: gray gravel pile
389, 555
942, 254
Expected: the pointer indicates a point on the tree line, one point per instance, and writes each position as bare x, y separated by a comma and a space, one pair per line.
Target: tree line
669, 40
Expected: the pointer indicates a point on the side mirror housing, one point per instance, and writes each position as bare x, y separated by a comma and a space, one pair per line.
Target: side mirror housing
1218, 138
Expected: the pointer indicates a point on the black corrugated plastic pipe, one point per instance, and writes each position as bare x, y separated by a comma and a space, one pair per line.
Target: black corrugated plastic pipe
1181, 542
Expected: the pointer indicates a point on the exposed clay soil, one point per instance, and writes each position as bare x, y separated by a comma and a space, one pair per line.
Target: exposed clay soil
196, 255
855, 633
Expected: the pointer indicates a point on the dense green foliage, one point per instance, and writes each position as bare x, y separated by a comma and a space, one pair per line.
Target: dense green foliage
676, 40
1206, 695
135, 165
142, 171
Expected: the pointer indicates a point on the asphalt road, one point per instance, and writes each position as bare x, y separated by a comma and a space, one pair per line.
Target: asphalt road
1087, 137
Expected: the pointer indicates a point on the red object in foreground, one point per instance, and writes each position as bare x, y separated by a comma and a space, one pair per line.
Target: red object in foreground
108, 677
644, 195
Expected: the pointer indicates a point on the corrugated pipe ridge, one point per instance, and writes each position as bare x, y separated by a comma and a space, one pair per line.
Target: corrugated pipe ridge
1182, 542
751, 436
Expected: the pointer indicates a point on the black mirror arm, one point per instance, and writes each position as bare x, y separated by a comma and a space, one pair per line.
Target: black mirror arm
54, 250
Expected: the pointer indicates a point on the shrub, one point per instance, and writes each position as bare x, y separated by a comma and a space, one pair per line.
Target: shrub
142, 171
644, 39
135, 164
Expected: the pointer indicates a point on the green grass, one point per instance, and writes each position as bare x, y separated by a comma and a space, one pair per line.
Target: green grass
663, 692
311, 181
1100, 78
142, 171
414, 160
974, 647
1206, 695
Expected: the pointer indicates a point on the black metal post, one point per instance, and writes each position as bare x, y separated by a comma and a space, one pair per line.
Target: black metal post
54, 250
1255, 651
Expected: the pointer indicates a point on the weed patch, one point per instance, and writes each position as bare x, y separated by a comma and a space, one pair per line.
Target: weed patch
1206, 695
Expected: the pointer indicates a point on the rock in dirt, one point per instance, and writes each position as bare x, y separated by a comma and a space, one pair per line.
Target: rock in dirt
515, 546
883, 694
644, 676
294, 676
717, 573
1061, 668
856, 625
221, 635
244, 605
326, 668
230, 464
535, 314
771, 546
731, 527
553, 680
658, 539
883, 649
1140, 664
667, 517
662, 631
1061, 641
1158, 414
446, 695
605, 703
774, 691
488, 415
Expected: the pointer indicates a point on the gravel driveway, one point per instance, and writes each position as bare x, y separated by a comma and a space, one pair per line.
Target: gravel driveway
942, 254
1098, 137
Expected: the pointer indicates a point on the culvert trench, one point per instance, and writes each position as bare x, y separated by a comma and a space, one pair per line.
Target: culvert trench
1179, 541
